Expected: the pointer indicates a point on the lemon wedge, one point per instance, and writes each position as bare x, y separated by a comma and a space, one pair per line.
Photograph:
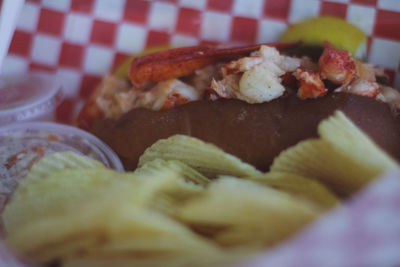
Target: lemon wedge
340, 33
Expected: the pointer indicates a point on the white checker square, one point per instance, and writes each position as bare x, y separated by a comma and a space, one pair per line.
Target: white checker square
28, 17
60, 5
15, 65
325, 252
196, 4
130, 38
79, 104
302, 9
386, 186
109, 10
98, 60
179, 40
385, 53
70, 81
215, 26
363, 17
245, 8
270, 30
283, 258
163, 16
391, 5
46, 49
332, 225
376, 222
77, 28
387, 252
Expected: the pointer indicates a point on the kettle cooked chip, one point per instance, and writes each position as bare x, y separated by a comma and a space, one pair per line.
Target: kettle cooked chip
300, 186
100, 210
233, 205
206, 158
343, 158
150, 168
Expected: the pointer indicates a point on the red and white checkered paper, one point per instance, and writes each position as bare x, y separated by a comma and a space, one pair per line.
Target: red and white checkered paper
81, 40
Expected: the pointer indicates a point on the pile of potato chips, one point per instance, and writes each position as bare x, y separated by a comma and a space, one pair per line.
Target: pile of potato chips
188, 204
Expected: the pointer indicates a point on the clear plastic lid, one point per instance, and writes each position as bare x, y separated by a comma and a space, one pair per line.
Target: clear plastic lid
22, 144
25, 97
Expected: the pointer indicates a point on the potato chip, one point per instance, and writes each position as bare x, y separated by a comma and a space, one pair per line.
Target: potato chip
233, 206
152, 167
135, 260
61, 190
206, 158
56, 193
192, 259
142, 230
344, 158
341, 132
73, 210
64, 248
61, 161
185, 184
297, 185
168, 191
117, 222
53, 236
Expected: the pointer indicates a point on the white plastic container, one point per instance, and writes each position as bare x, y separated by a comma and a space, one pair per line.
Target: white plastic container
29, 97
23, 144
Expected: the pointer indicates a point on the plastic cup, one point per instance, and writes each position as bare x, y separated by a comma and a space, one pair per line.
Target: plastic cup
29, 97
23, 144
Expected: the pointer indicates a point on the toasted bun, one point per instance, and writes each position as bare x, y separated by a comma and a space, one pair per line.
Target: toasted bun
256, 133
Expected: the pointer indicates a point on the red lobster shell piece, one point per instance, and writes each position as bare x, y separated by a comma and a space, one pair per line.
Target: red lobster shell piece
178, 62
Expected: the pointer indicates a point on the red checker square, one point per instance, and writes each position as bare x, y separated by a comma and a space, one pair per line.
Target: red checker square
119, 58
334, 9
244, 30
189, 21
156, 38
387, 24
277, 9
51, 22
82, 6
390, 74
369, 43
103, 32
208, 42
365, 2
21, 43
64, 112
40, 67
136, 11
88, 85
220, 5
71, 55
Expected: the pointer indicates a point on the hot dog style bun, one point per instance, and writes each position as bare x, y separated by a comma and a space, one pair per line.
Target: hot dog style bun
228, 114
256, 133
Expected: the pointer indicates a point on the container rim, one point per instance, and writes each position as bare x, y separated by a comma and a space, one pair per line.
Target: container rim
49, 98
108, 156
